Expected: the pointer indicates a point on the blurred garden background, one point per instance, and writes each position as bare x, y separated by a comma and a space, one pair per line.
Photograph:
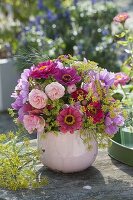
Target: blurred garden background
34, 29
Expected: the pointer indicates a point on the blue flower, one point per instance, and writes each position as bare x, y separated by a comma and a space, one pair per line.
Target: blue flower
57, 4
51, 16
93, 1
40, 4
105, 32
75, 2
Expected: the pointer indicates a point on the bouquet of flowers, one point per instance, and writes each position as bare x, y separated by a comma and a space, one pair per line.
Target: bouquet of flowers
65, 95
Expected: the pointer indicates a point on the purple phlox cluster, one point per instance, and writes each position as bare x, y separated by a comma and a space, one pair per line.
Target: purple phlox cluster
112, 124
21, 90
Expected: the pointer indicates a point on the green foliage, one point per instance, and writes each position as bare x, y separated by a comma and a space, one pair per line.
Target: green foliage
125, 40
125, 44
18, 162
63, 27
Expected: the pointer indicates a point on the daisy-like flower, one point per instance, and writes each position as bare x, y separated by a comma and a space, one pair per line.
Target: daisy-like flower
44, 70
79, 93
121, 18
121, 78
69, 120
94, 110
67, 76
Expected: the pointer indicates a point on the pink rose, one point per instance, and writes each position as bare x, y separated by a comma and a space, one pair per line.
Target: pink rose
121, 78
71, 88
37, 98
33, 122
55, 90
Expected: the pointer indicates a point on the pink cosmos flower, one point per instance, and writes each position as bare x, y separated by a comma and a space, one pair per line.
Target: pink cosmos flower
38, 99
69, 120
121, 18
34, 123
121, 78
71, 88
112, 124
55, 90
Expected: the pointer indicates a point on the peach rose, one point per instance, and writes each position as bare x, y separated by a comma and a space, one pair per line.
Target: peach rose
55, 90
38, 99
71, 88
33, 122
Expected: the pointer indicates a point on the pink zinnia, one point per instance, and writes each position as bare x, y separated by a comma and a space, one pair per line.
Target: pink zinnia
121, 78
69, 120
121, 18
44, 70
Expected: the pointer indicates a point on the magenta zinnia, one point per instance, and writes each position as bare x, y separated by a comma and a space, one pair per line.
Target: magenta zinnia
44, 70
68, 76
69, 120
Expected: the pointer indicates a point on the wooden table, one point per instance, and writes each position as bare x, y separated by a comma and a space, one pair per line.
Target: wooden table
107, 179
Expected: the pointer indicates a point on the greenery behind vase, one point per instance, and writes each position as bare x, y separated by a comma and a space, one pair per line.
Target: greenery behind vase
81, 28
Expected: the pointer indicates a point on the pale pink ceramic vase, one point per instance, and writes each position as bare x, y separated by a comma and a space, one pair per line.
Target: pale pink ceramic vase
66, 152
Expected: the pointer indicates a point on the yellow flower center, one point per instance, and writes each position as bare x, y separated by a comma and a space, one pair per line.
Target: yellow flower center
118, 76
42, 68
69, 120
121, 17
93, 110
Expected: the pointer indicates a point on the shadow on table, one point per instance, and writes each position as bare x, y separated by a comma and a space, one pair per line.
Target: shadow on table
70, 187
123, 167
85, 176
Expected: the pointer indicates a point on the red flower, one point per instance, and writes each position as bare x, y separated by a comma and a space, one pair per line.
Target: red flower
77, 93
121, 18
94, 110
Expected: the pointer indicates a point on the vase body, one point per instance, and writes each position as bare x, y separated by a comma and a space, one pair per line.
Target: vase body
66, 152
